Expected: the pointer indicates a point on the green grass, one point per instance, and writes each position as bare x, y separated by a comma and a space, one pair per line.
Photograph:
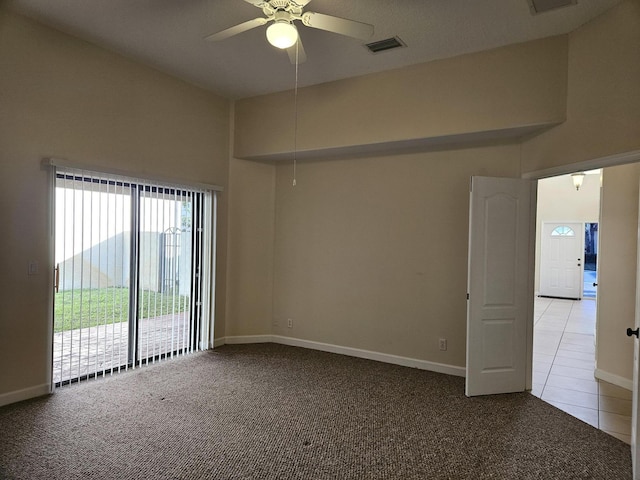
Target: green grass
90, 307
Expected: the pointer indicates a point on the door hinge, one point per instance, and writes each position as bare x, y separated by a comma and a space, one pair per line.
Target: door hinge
467, 296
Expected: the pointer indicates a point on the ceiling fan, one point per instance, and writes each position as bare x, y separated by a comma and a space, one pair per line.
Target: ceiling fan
284, 34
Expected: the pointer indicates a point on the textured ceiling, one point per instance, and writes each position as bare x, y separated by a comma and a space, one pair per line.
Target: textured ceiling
168, 35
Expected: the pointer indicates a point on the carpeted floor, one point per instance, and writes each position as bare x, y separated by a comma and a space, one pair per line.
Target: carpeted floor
274, 412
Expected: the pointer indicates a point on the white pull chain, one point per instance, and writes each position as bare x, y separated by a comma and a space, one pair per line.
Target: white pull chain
295, 118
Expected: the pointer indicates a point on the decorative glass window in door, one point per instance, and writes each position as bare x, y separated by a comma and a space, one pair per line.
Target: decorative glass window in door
563, 231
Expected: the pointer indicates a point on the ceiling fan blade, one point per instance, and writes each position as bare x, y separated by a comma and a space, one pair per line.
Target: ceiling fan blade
302, 56
257, 3
339, 25
243, 27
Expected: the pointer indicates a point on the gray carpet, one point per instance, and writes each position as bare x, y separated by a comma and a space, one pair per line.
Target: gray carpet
275, 412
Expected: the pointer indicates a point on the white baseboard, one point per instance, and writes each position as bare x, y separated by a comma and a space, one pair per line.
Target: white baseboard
248, 339
24, 394
614, 379
349, 351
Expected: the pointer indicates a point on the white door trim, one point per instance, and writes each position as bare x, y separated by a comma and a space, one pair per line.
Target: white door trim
623, 158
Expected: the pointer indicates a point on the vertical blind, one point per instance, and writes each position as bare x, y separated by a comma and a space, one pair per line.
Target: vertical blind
134, 272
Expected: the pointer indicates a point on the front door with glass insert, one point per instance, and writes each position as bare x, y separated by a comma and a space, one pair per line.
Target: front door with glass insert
561, 260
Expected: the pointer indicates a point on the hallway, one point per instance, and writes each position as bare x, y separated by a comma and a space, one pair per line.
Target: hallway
563, 365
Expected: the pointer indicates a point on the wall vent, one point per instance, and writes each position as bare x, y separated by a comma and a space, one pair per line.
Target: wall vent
541, 6
386, 44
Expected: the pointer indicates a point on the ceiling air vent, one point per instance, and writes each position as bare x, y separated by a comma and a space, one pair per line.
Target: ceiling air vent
387, 44
541, 6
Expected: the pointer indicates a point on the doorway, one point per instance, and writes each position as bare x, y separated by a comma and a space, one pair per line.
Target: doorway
564, 329
132, 276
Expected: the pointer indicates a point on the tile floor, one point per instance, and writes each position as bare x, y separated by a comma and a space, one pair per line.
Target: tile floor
563, 364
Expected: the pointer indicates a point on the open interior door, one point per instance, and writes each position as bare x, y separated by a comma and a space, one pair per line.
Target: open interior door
500, 286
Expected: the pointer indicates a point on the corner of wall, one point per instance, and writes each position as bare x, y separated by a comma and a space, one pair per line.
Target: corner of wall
250, 238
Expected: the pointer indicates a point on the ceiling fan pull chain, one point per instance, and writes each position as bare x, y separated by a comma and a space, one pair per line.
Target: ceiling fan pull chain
295, 119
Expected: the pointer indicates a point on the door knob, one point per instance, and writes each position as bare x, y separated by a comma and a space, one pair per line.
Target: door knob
595, 284
635, 332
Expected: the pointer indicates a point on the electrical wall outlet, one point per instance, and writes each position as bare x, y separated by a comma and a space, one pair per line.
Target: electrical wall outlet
442, 343
290, 322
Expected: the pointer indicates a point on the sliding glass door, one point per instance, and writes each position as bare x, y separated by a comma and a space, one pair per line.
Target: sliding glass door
133, 273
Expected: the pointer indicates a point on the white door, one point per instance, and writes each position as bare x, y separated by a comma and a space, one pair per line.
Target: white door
561, 255
635, 417
500, 285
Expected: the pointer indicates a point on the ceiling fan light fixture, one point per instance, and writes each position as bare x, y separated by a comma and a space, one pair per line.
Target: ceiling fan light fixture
282, 34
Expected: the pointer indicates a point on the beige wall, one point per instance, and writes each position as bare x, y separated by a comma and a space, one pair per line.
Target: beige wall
66, 98
250, 251
558, 201
371, 253
498, 90
355, 262
603, 102
618, 233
